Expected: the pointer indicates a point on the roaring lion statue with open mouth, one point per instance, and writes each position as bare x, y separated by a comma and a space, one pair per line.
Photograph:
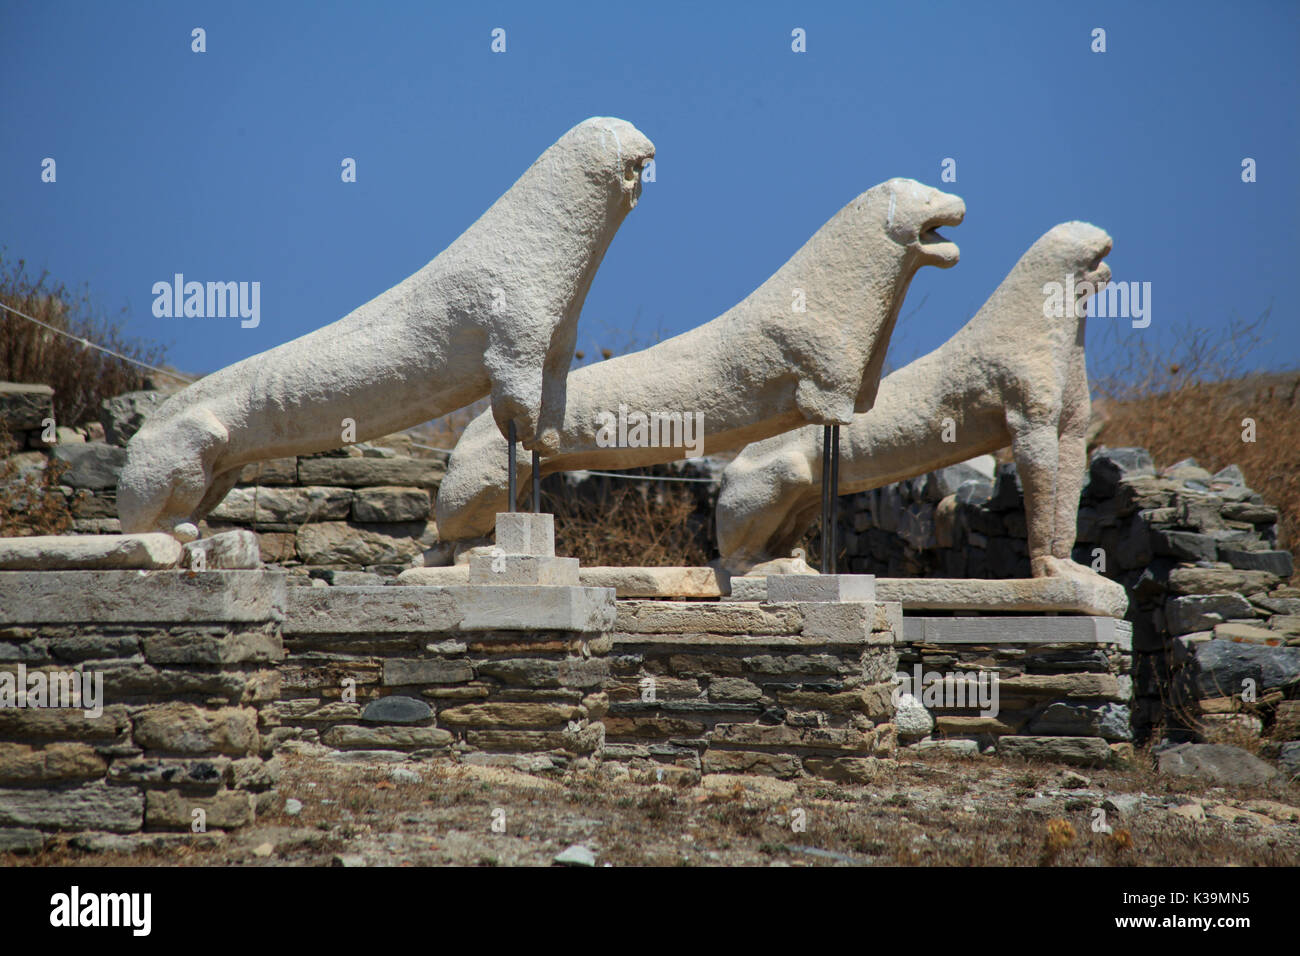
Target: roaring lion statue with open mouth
805, 346
495, 314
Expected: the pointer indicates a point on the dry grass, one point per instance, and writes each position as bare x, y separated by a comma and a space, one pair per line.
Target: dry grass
81, 377
925, 810
1187, 395
627, 522
1204, 421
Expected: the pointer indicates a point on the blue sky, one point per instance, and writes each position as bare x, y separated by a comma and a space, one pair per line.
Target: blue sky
225, 165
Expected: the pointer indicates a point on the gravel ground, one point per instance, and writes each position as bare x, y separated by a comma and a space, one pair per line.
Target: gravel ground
927, 810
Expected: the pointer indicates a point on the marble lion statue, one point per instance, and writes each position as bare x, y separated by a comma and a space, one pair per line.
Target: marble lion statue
806, 346
494, 314
1013, 375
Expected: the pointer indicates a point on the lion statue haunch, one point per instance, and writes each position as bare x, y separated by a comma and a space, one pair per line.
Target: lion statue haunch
494, 314
806, 346
1011, 376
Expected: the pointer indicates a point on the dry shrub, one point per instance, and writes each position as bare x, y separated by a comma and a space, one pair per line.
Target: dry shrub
607, 521
81, 377
1205, 422
1060, 834
1121, 840
1188, 399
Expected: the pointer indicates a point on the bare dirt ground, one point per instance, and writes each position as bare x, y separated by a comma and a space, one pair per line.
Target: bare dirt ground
928, 810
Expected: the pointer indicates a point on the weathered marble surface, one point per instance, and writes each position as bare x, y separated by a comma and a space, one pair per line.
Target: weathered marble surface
55, 552
1011, 376
759, 369
495, 313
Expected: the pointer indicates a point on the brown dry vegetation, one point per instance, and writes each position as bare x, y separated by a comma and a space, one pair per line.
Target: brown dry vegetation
81, 377
628, 521
31, 503
1188, 396
926, 810
1204, 421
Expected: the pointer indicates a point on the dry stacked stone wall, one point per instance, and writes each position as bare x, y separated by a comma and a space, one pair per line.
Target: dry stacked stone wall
207, 676
376, 673
1215, 615
176, 669
784, 690
1066, 699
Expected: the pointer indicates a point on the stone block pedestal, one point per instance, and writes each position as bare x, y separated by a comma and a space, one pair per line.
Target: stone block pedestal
524, 555
522, 532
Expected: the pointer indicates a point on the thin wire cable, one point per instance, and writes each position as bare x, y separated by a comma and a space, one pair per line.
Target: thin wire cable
605, 474
615, 474
188, 381
89, 344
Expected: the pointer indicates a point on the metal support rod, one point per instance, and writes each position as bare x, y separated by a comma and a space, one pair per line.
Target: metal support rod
835, 496
537, 484
826, 494
511, 458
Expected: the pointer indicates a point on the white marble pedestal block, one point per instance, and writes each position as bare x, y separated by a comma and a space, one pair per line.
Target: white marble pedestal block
522, 532
524, 554
500, 568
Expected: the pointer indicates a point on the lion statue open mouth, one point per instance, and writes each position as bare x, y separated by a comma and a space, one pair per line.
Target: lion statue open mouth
759, 369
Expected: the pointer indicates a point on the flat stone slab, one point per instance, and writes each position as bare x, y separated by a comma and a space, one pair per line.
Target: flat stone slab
825, 622
646, 582
523, 608
1080, 751
749, 587
522, 532
1020, 629
810, 639
421, 609
56, 552
141, 597
1074, 595
453, 575
24, 406
1070, 595
92, 807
